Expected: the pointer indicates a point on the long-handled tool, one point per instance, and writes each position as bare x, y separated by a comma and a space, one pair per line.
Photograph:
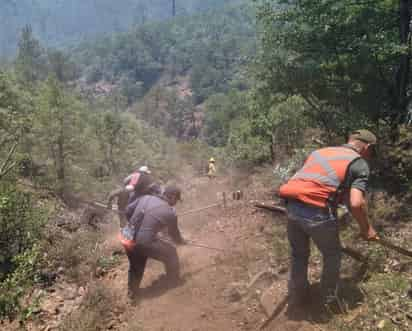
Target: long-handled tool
101, 205
194, 244
352, 253
277, 209
396, 248
199, 209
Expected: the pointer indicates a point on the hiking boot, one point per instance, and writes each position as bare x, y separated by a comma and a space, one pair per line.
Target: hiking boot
133, 295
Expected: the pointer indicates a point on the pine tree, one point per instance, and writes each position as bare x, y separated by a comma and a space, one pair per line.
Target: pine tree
30, 62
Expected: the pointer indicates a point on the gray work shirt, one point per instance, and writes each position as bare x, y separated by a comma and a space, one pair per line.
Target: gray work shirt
357, 175
158, 214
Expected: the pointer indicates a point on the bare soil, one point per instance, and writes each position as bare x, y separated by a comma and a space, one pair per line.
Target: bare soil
221, 289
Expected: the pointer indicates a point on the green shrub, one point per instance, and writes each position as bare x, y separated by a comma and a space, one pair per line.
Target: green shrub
399, 159
13, 287
21, 224
78, 256
21, 228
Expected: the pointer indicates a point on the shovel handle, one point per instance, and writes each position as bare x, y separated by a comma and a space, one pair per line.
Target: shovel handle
396, 248
277, 209
354, 254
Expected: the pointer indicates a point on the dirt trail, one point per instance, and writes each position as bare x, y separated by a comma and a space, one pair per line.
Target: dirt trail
215, 294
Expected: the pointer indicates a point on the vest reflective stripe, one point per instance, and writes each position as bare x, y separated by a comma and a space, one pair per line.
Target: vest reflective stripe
330, 176
320, 177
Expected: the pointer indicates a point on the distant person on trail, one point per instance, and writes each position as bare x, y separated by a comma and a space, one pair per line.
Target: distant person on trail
151, 215
211, 169
135, 185
329, 176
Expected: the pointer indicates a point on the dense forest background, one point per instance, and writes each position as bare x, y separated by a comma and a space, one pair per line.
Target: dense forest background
59, 22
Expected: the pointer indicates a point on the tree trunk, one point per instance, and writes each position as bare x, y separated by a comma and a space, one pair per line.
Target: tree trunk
60, 159
60, 171
273, 147
174, 8
400, 97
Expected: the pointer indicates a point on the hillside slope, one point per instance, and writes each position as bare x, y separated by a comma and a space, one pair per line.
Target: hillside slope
211, 48
58, 22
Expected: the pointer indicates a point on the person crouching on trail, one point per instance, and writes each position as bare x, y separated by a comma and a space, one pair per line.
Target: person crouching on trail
329, 176
151, 215
135, 185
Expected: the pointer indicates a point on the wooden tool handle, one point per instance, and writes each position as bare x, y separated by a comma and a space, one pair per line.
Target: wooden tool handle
271, 208
396, 248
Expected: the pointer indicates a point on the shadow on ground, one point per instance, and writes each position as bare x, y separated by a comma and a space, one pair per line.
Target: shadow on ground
350, 296
159, 287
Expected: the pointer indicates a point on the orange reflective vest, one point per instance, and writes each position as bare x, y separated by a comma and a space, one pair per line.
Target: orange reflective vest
321, 176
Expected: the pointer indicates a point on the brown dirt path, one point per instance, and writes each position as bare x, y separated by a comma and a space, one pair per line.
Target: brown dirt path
215, 294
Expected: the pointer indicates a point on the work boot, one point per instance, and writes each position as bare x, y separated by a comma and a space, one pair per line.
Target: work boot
133, 296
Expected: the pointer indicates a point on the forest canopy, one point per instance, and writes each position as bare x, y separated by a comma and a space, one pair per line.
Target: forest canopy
58, 22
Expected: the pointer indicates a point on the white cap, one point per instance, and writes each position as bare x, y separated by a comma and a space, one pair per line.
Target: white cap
145, 169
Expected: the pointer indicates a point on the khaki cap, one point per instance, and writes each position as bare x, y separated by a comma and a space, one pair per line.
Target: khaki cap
365, 136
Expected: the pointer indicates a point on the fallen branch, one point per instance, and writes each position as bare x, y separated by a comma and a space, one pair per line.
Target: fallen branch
275, 313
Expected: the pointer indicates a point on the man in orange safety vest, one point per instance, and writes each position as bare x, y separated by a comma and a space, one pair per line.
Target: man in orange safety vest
329, 176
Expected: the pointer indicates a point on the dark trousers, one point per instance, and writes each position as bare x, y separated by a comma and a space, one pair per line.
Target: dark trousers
307, 223
122, 219
158, 250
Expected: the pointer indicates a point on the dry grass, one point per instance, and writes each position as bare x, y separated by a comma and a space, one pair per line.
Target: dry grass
78, 255
95, 313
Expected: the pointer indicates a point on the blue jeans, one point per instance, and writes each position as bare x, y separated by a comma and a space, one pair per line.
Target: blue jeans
307, 222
